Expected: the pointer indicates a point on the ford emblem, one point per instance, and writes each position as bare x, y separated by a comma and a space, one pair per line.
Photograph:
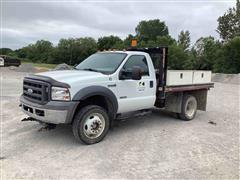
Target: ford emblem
30, 91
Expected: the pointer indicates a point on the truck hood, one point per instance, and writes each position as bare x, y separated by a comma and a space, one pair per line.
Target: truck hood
74, 76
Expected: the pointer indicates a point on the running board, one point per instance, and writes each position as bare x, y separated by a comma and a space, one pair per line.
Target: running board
124, 116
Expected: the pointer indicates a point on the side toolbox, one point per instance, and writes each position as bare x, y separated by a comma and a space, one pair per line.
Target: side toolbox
202, 77
179, 77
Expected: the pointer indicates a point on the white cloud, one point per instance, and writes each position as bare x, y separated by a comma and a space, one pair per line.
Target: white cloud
25, 22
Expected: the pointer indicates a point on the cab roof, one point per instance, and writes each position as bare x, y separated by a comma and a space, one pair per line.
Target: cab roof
126, 52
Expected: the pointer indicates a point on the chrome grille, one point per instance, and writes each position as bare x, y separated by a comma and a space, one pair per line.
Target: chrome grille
36, 91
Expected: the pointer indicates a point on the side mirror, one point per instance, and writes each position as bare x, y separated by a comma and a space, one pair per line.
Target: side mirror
137, 73
121, 76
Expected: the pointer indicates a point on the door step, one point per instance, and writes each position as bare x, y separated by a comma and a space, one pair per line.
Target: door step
124, 116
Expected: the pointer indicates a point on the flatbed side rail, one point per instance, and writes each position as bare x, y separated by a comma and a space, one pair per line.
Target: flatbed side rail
191, 87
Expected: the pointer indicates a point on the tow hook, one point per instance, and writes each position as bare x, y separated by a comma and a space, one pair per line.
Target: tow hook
46, 126
29, 119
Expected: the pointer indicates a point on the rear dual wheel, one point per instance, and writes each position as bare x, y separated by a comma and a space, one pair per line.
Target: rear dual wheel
189, 108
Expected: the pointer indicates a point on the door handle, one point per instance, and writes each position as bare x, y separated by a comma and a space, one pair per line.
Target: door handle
151, 84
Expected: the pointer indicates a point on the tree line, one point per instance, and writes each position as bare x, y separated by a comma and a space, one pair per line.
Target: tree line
207, 53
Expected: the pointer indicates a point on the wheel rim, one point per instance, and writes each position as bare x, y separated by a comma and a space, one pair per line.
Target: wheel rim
94, 125
190, 108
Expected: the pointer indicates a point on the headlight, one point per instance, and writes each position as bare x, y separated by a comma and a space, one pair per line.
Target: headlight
60, 94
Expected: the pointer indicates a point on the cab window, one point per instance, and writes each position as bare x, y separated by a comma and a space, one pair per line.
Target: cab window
136, 60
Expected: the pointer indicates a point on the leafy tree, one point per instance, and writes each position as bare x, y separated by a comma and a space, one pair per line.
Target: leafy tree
64, 50
184, 39
165, 41
87, 46
229, 23
41, 51
204, 52
228, 58
30, 52
73, 51
110, 42
5, 51
21, 53
207, 53
150, 30
160, 41
178, 59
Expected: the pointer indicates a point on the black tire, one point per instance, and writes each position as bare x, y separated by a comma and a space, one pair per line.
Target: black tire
80, 121
189, 108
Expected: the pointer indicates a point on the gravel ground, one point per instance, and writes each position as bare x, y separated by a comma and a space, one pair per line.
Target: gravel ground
151, 147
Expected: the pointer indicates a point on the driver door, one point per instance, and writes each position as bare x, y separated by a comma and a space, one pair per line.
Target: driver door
135, 94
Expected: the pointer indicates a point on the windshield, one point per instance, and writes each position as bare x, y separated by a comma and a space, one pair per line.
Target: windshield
102, 62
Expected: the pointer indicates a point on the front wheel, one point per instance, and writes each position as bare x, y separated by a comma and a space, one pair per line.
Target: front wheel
189, 108
90, 124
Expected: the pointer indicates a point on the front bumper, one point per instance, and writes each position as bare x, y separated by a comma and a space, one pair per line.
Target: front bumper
56, 112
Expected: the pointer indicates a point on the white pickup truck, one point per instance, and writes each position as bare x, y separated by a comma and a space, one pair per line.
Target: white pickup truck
109, 84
